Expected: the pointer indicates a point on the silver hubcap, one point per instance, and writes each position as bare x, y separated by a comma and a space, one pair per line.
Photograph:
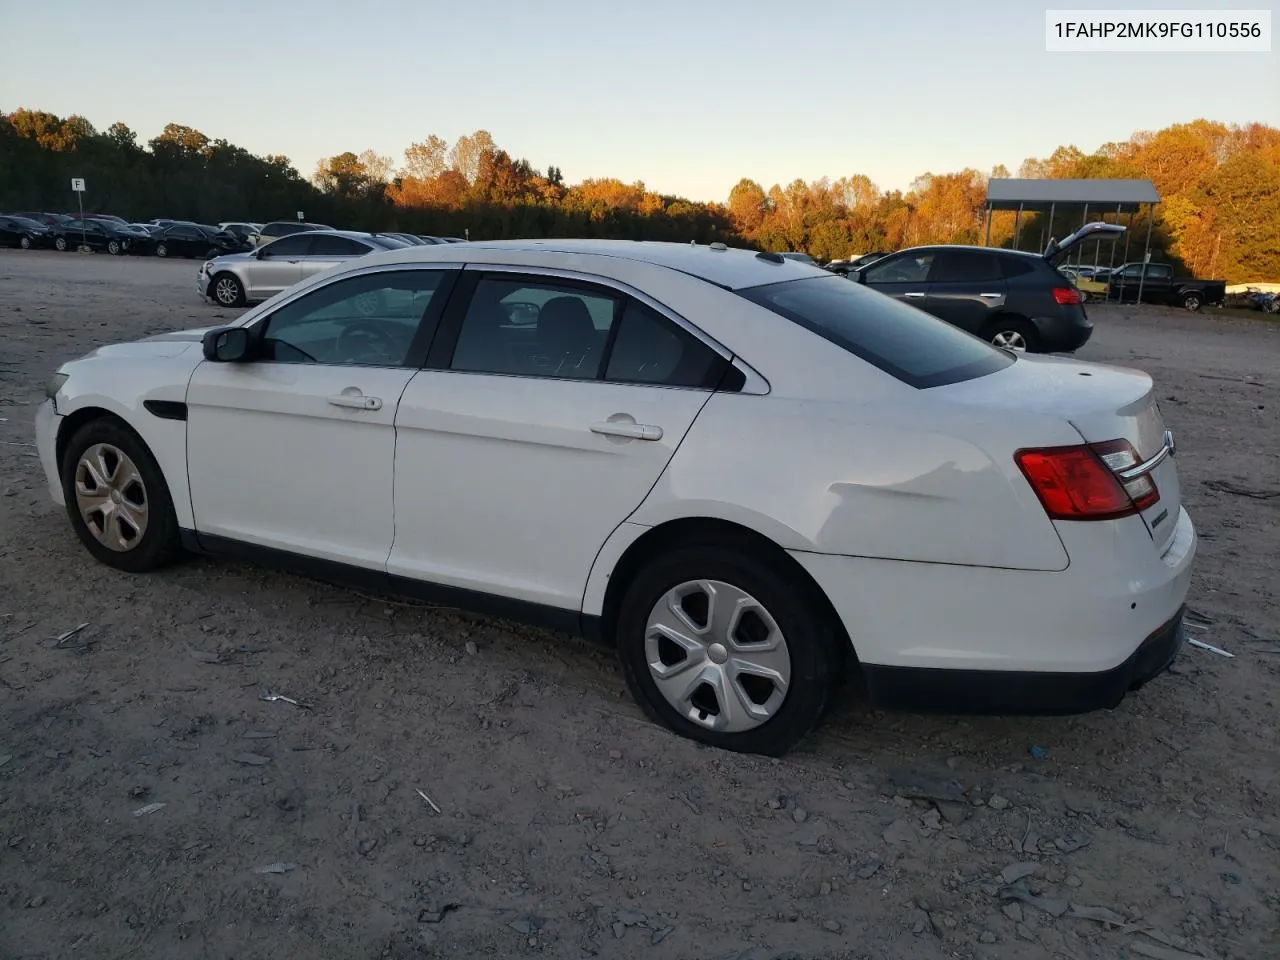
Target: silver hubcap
1193, 303
717, 656
162, 251
60, 244
1010, 339
113, 247
26, 243
226, 290
111, 497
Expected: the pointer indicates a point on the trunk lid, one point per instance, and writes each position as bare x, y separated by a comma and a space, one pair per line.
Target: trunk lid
1102, 403
1097, 230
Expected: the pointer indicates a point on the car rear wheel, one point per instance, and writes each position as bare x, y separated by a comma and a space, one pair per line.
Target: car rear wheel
117, 498
60, 243
162, 250
228, 290
1192, 301
1013, 333
728, 649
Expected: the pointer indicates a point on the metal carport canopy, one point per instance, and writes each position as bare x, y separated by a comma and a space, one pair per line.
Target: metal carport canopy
1124, 196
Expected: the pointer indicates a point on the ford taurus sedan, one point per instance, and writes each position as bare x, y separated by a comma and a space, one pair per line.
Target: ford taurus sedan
745, 473
235, 279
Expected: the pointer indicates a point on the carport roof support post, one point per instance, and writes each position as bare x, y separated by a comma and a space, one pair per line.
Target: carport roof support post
1146, 250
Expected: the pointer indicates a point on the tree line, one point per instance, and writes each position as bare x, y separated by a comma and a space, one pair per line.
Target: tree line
1219, 184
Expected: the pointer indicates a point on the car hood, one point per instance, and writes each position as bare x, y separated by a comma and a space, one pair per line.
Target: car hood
232, 257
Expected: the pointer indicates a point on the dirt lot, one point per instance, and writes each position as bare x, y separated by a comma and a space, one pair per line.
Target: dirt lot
568, 825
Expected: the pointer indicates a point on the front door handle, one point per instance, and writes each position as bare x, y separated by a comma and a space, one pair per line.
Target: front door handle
913, 296
356, 401
628, 429
991, 295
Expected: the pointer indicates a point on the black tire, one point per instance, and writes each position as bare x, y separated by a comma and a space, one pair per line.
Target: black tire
25, 243
228, 291
60, 244
1192, 301
159, 543
114, 248
162, 250
1008, 327
816, 648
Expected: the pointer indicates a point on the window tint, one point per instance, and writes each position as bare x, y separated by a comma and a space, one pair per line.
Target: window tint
649, 348
369, 320
907, 268
1159, 271
902, 341
1016, 266
329, 246
964, 266
534, 329
295, 246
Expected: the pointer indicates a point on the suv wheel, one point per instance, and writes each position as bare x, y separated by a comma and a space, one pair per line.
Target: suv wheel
728, 649
1013, 333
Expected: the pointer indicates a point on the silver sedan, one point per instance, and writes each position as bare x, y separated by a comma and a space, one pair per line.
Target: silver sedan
236, 279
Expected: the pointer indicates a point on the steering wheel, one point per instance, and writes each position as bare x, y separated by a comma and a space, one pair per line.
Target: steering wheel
367, 339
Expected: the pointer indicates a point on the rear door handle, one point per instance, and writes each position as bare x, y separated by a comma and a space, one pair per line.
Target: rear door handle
628, 429
913, 296
356, 401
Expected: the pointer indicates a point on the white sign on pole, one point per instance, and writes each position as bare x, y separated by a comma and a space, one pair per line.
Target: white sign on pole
1146, 257
299, 216
77, 184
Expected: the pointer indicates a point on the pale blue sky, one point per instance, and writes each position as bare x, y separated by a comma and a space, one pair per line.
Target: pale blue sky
686, 95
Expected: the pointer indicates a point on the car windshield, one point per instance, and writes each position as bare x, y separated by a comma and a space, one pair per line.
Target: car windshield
386, 242
904, 342
27, 223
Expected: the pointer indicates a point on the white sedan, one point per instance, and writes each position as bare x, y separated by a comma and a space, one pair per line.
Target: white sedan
744, 472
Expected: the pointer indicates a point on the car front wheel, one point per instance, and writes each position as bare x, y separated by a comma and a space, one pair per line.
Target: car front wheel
228, 290
60, 244
25, 243
162, 250
114, 248
1191, 301
117, 498
729, 649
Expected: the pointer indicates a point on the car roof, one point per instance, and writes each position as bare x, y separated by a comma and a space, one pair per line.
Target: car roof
1000, 251
729, 267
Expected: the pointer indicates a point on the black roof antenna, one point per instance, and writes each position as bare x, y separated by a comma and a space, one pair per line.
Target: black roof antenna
771, 257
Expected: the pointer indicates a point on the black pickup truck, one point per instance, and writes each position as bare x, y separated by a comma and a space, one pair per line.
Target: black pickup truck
1159, 285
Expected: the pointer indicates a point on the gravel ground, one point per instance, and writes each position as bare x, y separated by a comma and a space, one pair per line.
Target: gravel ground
151, 805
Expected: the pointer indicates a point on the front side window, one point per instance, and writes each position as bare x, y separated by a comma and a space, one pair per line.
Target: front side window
904, 342
535, 328
286, 247
370, 320
906, 268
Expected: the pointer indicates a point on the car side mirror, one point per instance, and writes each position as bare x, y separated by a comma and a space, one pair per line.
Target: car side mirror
857, 276
227, 345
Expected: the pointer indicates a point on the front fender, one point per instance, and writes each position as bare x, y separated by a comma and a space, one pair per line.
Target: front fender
122, 387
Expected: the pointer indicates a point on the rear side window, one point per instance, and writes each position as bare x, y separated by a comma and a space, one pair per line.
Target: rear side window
1016, 266
904, 342
651, 349
327, 245
964, 266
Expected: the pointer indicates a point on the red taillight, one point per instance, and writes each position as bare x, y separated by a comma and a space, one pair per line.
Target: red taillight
1066, 295
1080, 483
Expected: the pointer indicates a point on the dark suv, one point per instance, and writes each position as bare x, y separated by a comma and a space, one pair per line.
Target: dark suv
1011, 298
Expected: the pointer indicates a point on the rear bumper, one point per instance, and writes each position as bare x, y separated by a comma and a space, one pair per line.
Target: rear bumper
1011, 693
1063, 334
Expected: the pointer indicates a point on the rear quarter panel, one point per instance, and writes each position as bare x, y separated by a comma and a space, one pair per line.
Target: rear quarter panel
907, 481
